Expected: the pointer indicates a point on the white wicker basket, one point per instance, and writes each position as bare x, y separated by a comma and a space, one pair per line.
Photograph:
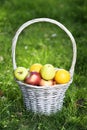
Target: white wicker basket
44, 100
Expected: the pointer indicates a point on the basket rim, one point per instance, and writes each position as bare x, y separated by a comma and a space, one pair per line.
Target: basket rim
43, 87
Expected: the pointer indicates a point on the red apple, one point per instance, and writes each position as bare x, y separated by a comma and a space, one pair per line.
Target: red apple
46, 82
33, 78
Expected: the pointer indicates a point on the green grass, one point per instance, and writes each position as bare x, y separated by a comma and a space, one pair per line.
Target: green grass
37, 44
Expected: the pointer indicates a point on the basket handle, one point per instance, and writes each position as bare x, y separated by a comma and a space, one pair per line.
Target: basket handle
14, 41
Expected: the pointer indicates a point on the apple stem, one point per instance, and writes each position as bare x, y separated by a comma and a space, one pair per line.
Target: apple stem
20, 72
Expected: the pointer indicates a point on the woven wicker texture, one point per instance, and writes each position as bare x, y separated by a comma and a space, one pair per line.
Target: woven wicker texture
44, 100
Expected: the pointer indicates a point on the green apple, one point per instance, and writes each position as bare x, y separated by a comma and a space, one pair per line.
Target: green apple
47, 72
20, 73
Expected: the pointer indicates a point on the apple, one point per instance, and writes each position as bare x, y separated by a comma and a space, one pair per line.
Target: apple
33, 78
46, 82
47, 72
20, 73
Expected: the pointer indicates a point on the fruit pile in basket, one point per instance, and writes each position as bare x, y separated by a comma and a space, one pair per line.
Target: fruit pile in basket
42, 75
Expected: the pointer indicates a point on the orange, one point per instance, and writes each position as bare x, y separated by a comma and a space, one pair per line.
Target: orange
35, 67
62, 76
